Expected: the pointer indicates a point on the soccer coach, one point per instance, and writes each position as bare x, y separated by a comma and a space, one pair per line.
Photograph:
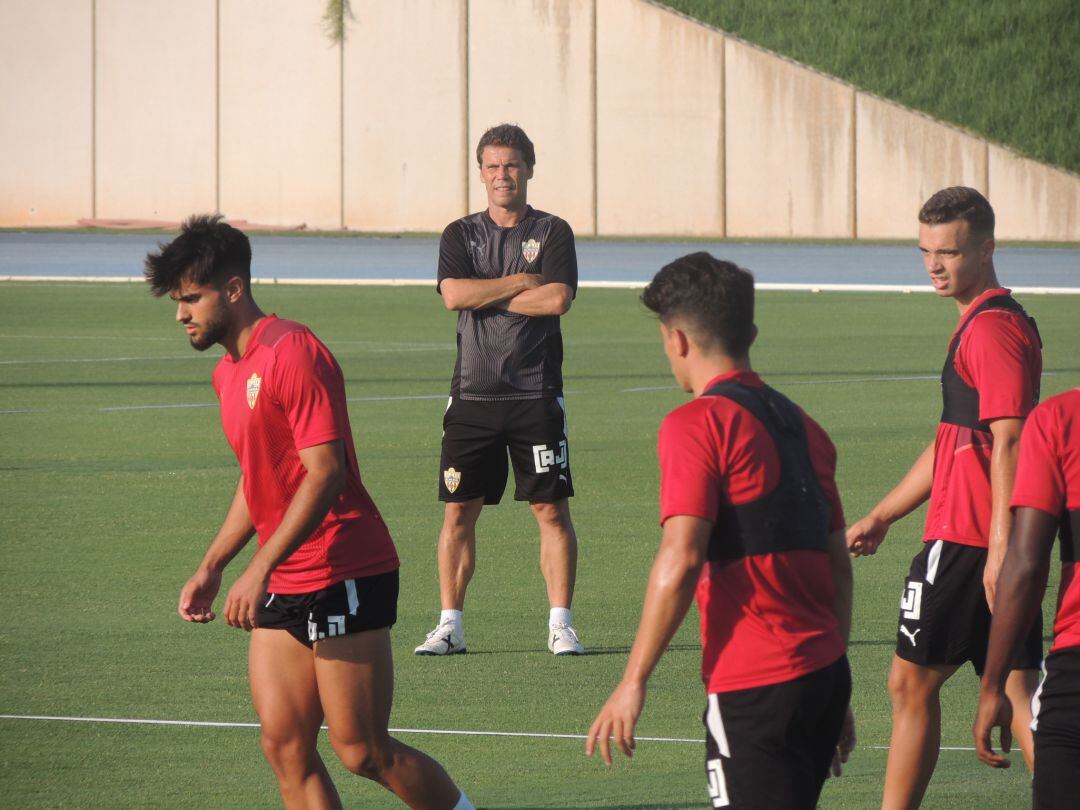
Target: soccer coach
509, 272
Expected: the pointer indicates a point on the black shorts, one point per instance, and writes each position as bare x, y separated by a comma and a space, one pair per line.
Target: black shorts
1056, 711
770, 746
349, 606
944, 618
477, 436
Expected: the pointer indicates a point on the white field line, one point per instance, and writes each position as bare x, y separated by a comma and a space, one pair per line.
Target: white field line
449, 732
620, 285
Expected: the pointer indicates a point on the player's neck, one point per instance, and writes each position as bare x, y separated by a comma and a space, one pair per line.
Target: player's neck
708, 368
507, 217
245, 320
969, 297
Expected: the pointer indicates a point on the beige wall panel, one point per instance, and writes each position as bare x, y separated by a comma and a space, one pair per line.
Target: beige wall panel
280, 114
530, 63
789, 148
156, 82
405, 142
659, 123
46, 127
1032, 200
903, 158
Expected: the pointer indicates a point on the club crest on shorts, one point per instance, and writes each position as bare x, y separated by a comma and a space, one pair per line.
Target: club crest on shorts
452, 479
530, 250
254, 383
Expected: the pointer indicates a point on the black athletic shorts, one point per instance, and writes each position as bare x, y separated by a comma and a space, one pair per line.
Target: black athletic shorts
477, 436
944, 618
1056, 711
770, 746
349, 606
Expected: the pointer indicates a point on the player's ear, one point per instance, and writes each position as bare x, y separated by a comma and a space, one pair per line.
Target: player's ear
235, 288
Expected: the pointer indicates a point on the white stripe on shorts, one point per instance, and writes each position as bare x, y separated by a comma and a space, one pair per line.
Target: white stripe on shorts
716, 726
932, 562
1036, 699
354, 600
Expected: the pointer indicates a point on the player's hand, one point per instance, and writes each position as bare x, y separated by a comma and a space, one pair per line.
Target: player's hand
245, 596
616, 720
990, 576
197, 596
845, 745
994, 710
864, 537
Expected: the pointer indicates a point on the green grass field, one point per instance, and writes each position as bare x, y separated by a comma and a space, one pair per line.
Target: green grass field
105, 513
975, 64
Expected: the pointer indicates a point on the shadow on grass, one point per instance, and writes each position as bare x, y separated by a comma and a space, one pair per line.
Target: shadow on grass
617, 806
591, 651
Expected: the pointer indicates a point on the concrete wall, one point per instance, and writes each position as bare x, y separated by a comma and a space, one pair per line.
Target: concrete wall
156, 119
645, 122
47, 125
659, 134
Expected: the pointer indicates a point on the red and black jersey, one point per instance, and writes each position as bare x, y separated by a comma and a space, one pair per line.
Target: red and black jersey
992, 371
1048, 479
287, 393
766, 596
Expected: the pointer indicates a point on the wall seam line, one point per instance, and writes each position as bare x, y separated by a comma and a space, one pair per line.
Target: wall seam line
341, 129
465, 113
723, 137
93, 110
854, 181
217, 106
595, 126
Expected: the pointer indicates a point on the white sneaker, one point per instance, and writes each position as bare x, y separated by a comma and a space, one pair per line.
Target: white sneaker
563, 640
442, 641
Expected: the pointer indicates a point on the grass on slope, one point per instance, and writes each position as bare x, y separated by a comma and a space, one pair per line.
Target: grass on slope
1007, 70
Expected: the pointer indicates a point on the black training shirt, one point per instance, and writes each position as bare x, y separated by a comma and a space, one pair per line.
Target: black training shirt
503, 355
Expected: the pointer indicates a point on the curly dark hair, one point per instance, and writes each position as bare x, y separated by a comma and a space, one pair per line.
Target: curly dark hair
207, 251
510, 135
714, 297
959, 202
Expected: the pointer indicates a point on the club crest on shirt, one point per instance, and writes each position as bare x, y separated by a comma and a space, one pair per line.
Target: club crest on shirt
452, 479
254, 383
530, 250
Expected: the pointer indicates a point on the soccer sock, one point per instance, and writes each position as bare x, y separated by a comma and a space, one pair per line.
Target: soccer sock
559, 615
452, 616
463, 802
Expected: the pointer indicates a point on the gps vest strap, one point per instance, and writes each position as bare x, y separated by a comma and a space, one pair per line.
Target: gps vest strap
1068, 534
795, 515
960, 402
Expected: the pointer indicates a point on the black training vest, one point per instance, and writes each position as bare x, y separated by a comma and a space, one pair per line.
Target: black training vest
1069, 533
960, 402
795, 515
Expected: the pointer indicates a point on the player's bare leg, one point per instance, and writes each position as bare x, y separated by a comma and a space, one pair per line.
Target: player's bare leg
1020, 687
286, 698
916, 731
457, 551
558, 550
355, 675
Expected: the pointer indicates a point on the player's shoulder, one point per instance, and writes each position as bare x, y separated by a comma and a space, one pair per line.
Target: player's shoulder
277, 332
700, 414
1061, 409
999, 320
464, 224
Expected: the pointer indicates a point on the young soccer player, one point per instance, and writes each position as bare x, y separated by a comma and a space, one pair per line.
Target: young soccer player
989, 384
752, 521
320, 594
1046, 500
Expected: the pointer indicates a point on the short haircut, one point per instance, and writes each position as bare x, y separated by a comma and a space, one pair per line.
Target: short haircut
207, 251
959, 202
715, 298
510, 135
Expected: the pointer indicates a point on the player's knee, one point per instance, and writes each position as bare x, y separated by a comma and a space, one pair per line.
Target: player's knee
552, 514
369, 760
288, 756
907, 689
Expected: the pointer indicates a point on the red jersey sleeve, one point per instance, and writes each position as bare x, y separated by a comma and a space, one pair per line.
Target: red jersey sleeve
689, 471
1040, 478
999, 358
823, 459
309, 385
